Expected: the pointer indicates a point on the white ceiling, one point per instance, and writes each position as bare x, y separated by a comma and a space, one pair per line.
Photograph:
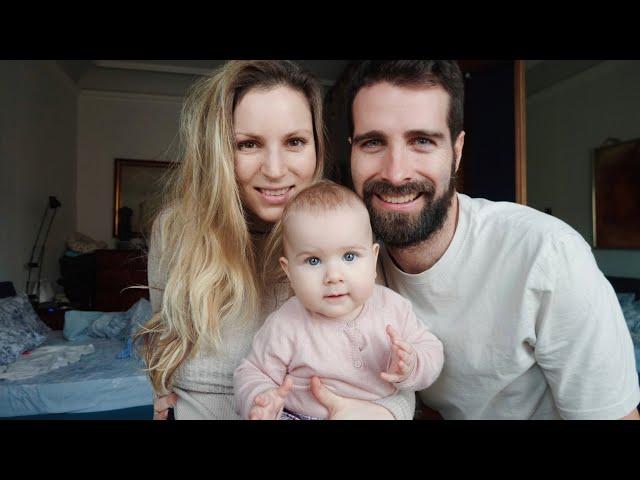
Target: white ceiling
167, 77
173, 77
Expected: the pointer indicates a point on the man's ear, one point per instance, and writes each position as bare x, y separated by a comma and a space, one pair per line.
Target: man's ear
457, 149
349, 140
284, 263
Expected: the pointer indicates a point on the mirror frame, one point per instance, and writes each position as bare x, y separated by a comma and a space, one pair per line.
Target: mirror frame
120, 164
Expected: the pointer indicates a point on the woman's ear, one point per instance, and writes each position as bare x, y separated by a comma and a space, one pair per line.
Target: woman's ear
284, 263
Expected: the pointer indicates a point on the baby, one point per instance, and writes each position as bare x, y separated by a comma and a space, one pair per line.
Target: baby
361, 339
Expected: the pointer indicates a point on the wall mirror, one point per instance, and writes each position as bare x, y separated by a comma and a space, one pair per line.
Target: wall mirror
138, 185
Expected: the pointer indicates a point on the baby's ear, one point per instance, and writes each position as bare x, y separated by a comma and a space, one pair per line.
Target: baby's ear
284, 263
376, 250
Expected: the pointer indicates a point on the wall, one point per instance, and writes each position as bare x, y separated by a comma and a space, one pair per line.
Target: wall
564, 124
110, 126
38, 122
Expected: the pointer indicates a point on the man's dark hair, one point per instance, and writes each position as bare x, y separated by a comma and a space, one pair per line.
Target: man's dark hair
445, 73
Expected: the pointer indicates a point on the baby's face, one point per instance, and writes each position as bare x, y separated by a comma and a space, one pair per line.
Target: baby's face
331, 261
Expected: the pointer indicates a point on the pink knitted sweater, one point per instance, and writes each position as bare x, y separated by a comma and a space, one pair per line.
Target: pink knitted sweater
347, 356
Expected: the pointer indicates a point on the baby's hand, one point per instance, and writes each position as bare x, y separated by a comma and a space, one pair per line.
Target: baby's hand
267, 404
403, 358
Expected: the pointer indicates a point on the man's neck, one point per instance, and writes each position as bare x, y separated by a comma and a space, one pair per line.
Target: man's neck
421, 257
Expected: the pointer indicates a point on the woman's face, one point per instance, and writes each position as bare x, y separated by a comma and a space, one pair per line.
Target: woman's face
275, 150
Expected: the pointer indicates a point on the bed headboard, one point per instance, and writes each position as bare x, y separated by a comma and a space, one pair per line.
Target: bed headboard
626, 285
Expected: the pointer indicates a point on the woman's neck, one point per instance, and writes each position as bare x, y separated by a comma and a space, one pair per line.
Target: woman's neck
258, 226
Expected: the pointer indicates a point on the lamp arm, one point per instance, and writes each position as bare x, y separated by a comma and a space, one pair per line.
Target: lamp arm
44, 243
30, 265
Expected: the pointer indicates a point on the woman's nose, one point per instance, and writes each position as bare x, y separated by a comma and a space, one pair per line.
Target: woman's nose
274, 165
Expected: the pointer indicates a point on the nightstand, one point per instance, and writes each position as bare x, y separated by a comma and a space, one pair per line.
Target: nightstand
52, 316
115, 271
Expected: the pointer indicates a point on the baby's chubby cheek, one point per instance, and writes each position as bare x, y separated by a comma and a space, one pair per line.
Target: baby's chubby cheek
360, 293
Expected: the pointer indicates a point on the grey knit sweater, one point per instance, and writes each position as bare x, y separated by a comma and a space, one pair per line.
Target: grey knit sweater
204, 383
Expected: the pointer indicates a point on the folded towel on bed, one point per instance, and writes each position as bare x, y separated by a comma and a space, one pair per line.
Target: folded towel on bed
43, 360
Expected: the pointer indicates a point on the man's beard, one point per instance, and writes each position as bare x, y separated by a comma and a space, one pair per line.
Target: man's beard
403, 230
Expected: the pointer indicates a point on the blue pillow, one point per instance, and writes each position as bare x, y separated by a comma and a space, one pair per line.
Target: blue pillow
109, 325
20, 328
140, 314
29, 316
77, 324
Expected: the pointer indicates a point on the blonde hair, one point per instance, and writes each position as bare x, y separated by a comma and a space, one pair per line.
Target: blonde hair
203, 238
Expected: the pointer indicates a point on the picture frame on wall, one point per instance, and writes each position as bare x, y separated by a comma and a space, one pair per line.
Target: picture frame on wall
616, 196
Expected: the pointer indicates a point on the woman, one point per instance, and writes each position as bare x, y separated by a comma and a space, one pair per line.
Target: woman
253, 137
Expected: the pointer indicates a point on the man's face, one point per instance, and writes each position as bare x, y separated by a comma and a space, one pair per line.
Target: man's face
403, 160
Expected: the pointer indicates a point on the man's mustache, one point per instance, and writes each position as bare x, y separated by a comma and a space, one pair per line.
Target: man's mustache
410, 188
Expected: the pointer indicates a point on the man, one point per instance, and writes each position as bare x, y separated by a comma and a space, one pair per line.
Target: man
531, 327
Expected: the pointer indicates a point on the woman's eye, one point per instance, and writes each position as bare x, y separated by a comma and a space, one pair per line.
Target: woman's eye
349, 256
313, 261
296, 142
247, 144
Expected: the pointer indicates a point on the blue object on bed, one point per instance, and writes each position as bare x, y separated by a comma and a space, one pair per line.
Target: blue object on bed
118, 325
77, 324
98, 382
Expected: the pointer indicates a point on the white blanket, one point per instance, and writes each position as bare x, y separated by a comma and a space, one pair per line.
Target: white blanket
42, 360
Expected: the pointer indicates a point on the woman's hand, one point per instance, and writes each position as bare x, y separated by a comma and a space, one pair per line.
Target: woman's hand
161, 406
342, 408
268, 404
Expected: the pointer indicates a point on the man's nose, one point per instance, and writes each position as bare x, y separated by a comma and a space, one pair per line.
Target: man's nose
397, 168
274, 165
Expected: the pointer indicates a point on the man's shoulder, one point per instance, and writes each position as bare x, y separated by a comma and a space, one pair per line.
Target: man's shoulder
508, 218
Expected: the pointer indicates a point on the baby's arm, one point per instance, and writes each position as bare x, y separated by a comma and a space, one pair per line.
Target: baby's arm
260, 387
417, 355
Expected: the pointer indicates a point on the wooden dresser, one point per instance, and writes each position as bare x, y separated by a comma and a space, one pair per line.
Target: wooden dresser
115, 271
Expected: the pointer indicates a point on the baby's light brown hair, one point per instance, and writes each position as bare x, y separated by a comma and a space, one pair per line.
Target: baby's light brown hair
321, 197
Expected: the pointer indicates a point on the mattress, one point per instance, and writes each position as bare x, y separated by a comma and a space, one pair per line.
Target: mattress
97, 382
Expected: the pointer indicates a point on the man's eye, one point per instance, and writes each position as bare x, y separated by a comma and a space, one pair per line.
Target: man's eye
423, 141
313, 261
350, 256
372, 143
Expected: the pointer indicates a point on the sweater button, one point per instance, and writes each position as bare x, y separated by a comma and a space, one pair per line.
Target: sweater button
357, 364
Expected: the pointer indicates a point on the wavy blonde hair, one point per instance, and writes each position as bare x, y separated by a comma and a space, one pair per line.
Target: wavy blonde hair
203, 238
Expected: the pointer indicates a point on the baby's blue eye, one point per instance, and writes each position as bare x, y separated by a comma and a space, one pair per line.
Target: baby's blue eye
313, 261
349, 256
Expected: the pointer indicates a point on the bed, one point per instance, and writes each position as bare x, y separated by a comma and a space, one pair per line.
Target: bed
98, 386
86, 371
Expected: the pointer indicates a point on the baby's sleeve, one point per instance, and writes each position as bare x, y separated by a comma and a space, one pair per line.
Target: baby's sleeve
429, 350
266, 365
